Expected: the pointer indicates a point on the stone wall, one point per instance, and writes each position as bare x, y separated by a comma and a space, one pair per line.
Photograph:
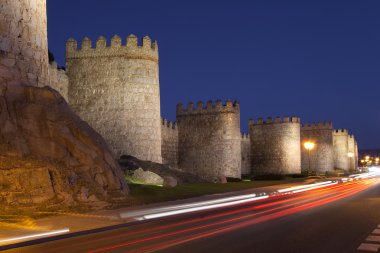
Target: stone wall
169, 146
245, 154
275, 146
58, 80
23, 42
356, 154
115, 88
210, 140
340, 138
322, 156
352, 150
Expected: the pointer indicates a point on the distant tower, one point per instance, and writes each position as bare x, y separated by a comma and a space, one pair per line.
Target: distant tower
245, 154
352, 146
275, 146
209, 139
322, 156
341, 159
23, 42
115, 88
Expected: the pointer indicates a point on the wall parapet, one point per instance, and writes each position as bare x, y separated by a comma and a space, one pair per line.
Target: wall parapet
340, 131
169, 124
147, 49
327, 125
208, 108
276, 120
245, 136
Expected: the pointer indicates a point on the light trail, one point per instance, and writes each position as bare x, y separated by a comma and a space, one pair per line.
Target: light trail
240, 225
276, 200
34, 236
224, 202
346, 191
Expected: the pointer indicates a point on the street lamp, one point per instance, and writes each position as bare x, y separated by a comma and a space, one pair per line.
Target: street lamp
351, 155
309, 146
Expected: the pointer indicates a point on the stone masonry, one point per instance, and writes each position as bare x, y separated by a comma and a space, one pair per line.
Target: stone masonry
341, 160
275, 146
23, 42
115, 88
58, 80
352, 151
322, 156
169, 146
210, 139
245, 154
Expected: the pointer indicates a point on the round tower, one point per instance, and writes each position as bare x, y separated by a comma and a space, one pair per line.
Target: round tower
209, 139
23, 42
275, 146
341, 159
115, 88
321, 158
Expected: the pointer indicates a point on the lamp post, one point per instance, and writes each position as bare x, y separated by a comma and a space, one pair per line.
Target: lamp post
309, 146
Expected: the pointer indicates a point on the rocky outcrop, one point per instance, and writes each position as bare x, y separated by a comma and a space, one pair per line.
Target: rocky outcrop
170, 177
49, 156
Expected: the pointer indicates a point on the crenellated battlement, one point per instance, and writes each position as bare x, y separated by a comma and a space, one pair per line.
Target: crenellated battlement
147, 49
340, 131
318, 126
276, 120
169, 124
245, 137
209, 107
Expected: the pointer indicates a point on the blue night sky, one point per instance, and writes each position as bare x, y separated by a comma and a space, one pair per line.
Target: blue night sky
319, 60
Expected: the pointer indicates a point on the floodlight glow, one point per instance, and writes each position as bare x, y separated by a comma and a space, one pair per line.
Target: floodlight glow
309, 145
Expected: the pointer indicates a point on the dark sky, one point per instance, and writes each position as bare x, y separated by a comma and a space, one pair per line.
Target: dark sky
317, 59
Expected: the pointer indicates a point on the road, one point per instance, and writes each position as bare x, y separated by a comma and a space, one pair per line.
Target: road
337, 218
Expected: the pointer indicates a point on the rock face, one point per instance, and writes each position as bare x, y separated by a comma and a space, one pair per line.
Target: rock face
147, 177
169, 177
49, 155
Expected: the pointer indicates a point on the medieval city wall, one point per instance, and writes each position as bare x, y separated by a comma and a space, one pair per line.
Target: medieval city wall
245, 154
322, 156
340, 138
356, 154
169, 146
352, 151
210, 139
58, 80
23, 42
275, 146
115, 88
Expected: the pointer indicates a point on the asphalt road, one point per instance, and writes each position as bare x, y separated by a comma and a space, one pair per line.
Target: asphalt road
335, 219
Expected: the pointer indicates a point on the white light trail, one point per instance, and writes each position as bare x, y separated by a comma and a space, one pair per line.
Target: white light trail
191, 205
200, 208
235, 200
294, 188
34, 236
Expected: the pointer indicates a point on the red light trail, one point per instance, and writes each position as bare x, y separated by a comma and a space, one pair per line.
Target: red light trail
163, 236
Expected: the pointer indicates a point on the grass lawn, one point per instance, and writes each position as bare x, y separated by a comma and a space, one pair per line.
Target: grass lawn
145, 194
